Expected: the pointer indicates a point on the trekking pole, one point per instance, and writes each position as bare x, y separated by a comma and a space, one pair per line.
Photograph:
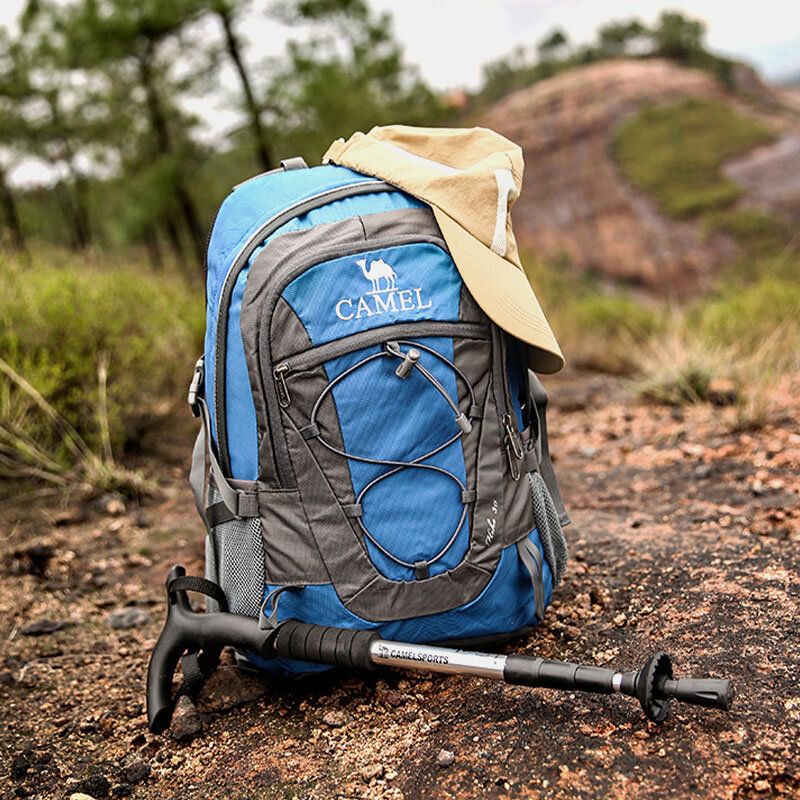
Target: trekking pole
653, 685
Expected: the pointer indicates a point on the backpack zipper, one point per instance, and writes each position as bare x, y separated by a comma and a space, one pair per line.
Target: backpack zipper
512, 442
232, 275
312, 357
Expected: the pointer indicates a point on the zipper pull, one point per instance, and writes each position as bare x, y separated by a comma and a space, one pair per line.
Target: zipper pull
280, 372
513, 445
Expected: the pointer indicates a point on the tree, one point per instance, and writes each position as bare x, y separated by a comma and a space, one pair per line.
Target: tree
678, 37
615, 38
11, 214
37, 122
126, 40
226, 11
7, 135
553, 45
59, 128
349, 74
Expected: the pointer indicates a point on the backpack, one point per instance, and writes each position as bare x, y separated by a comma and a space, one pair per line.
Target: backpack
373, 450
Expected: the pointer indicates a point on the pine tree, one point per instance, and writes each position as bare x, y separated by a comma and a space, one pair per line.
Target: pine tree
128, 40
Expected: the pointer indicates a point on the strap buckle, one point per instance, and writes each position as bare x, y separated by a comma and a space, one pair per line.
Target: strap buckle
196, 386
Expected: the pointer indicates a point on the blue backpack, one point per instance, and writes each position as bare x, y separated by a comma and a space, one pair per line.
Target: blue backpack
373, 451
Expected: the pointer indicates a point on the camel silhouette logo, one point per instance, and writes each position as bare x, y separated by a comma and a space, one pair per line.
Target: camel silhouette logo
384, 297
378, 271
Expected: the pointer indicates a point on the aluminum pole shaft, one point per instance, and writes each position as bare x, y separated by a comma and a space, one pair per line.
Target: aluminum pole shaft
437, 659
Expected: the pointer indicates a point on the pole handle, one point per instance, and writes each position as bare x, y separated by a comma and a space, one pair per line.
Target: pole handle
320, 644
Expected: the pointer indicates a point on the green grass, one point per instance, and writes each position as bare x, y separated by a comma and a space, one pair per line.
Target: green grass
91, 355
758, 232
746, 333
675, 152
592, 325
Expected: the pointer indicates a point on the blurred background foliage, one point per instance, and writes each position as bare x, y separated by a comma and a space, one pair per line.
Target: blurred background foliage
101, 311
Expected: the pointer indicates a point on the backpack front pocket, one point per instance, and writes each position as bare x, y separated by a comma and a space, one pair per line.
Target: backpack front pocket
393, 422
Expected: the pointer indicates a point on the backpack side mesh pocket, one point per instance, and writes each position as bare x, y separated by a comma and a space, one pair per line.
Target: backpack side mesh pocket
235, 560
551, 533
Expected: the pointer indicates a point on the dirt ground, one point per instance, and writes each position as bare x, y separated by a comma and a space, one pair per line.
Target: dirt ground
685, 538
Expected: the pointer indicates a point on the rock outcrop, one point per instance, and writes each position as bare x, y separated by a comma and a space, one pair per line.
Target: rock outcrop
575, 203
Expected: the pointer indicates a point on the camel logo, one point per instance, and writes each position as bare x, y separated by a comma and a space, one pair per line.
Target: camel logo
378, 270
384, 297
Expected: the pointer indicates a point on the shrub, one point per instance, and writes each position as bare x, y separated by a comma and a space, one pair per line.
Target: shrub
745, 337
752, 312
102, 347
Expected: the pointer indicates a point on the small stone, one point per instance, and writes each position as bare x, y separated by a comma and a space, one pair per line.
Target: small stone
138, 740
446, 758
43, 627
372, 771
70, 516
96, 786
761, 786
758, 488
6, 677
722, 392
80, 796
393, 698
35, 559
186, 722
572, 631
136, 770
141, 520
588, 452
620, 620
20, 765
229, 687
129, 617
112, 504
122, 790
662, 752
335, 719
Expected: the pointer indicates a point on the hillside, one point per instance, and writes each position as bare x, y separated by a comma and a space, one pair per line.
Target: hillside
580, 203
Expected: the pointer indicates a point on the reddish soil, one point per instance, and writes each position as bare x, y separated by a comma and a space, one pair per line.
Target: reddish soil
685, 538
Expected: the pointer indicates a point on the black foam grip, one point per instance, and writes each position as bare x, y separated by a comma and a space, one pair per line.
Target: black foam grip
319, 644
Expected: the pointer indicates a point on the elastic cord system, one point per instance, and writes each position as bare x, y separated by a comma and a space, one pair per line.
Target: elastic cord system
409, 362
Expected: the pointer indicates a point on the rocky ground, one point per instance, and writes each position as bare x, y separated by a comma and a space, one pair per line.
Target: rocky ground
685, 538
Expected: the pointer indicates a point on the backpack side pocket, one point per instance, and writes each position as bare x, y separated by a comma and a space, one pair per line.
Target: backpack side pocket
547, 520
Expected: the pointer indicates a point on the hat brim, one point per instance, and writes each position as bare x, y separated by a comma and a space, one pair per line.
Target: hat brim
502, 290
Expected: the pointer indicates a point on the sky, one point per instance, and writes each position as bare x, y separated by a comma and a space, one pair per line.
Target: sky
450, 40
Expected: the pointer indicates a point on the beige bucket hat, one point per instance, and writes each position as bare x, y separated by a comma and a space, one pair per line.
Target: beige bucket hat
471, 178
